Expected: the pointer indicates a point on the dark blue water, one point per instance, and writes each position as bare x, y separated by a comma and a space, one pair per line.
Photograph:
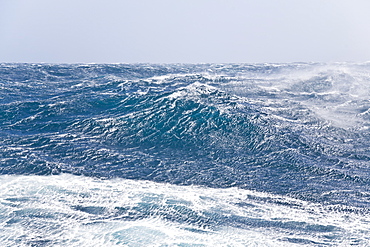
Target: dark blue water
289, 137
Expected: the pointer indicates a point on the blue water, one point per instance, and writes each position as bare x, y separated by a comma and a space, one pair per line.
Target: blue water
185, 155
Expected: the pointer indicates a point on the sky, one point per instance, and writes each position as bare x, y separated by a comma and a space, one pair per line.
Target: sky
184, 31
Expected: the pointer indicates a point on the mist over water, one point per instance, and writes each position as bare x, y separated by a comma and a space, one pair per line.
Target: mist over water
183, 155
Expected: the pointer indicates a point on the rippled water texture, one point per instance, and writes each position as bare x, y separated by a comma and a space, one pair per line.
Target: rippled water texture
272, 138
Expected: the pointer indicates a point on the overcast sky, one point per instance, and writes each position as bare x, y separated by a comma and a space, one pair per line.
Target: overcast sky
184, 31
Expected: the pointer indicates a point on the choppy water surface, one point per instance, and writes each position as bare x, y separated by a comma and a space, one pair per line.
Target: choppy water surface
184, 155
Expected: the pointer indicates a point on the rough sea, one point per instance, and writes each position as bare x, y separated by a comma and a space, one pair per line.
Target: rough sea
185, 154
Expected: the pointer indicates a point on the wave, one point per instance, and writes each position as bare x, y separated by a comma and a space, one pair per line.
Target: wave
216, 125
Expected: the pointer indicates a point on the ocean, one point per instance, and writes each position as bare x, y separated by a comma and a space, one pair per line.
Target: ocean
185, 154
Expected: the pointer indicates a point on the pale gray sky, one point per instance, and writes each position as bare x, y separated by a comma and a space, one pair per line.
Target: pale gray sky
184, 31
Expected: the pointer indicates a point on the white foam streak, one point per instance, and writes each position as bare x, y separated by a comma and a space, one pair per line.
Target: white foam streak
194, 89
79, 211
